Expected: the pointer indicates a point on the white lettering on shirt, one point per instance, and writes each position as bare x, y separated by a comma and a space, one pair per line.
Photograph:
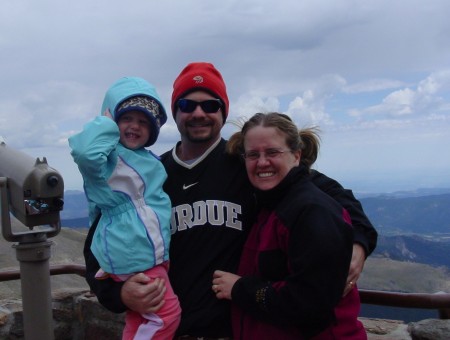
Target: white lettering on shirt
215, 213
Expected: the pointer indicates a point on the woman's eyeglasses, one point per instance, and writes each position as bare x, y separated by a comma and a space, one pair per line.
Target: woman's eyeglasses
269, 153
208, 106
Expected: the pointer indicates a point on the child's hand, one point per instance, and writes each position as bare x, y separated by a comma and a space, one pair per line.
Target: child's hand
107, 114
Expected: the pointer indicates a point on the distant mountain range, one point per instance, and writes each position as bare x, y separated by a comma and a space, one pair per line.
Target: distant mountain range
414, 248
414, 228
429, 215
75, 205
402, 194
423, 212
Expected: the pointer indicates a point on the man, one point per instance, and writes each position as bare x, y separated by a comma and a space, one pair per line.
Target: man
213, 208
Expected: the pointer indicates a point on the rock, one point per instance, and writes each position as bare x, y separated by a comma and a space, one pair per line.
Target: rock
382, 329
430, 329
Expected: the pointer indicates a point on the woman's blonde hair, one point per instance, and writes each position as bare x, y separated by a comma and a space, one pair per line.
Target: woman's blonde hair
306, 140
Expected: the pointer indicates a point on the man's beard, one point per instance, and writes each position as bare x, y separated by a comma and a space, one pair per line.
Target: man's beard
201, 139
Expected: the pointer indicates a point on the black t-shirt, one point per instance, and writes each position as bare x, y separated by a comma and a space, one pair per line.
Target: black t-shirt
213, 208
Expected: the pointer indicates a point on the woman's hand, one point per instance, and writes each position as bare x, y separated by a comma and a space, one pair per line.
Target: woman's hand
223, 283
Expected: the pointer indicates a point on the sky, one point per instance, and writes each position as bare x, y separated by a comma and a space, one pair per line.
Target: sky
373, 75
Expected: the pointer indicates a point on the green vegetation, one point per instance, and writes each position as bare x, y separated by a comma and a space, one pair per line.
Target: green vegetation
407, 277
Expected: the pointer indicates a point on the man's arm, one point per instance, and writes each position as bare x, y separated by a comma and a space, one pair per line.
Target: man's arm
365, 235
107, 291
364, 232
137, 293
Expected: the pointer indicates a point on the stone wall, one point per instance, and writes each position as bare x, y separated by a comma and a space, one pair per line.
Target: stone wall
78, 316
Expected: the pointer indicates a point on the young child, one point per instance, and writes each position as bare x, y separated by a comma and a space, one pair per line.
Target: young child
124, 183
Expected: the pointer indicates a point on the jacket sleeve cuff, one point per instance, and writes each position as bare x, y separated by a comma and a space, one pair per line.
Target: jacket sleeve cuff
252, 294
361, 239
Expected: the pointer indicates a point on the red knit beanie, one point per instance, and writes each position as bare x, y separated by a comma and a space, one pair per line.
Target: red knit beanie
200, 76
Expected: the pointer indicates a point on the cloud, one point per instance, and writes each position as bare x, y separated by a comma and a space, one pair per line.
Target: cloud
309, 110
356, 69
249, 104
372, 85
436, 83
45, 114
428, 98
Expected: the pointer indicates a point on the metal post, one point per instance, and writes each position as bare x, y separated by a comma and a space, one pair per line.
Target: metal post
33, 193
36, 291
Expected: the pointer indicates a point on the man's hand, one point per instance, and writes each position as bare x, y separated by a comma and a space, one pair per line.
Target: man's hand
356, 267
223, 283
143, 296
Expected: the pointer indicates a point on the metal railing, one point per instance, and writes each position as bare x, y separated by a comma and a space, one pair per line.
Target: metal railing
78, 269
437, 301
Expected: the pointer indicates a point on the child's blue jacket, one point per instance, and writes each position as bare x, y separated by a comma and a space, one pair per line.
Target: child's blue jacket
126, 187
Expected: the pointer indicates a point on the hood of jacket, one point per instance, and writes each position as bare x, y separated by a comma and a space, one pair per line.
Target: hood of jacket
128, 87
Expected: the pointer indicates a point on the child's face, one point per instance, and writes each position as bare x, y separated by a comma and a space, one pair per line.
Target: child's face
134, 127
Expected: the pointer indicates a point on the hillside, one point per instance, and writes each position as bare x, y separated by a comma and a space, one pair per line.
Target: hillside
407, 277
389, 275
379, 273
415, 248
67, 248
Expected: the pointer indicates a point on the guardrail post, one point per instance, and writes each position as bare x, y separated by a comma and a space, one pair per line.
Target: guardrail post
444, 313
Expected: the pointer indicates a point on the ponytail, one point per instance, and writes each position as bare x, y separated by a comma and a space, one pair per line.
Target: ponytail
311, 144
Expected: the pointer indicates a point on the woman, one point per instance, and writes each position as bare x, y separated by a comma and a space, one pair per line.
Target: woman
295, 262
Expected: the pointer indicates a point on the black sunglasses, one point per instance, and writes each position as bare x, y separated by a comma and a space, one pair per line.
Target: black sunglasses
208, 106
